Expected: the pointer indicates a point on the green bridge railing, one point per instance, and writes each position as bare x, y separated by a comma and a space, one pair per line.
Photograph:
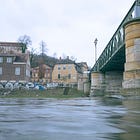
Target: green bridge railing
117, 41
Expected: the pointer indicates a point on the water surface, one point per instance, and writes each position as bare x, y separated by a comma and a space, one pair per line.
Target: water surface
72, 119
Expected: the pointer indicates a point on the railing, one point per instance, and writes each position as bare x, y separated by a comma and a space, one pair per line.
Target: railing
117, 41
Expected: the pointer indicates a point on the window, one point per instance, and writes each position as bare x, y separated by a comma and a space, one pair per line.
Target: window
17, 71
64, 67
9, 59
59, 67
58, 76
69, 76
27, 72
36, 74
0, 70
1, 59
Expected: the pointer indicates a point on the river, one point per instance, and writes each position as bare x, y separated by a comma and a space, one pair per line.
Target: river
71, 119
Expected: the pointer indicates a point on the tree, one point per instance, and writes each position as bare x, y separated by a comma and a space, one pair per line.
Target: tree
32, 54
43, 47
55, 55
42, 71
73, 58
25, 42
42, 59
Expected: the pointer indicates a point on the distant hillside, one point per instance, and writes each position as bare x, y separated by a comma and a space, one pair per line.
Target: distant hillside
39, 59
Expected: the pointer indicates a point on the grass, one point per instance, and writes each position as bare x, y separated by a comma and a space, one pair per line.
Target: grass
49, 93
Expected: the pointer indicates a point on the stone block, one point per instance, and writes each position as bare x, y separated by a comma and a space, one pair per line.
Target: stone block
137, 56
130, 57
130, 84
132, 27
113, 80
129, 43
129, 50
132, 35
97, 76
137, 41
135, 74
133, 52
132, 66
97, 82
128, 75
137, 48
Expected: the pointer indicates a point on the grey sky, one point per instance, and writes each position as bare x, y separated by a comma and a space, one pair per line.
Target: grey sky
67, 26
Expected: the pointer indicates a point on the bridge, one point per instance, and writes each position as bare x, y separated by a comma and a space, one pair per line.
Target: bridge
118, 66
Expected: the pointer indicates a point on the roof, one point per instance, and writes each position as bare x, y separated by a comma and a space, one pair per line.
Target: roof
11, 44
65, 61
68, 61
78, 68
21, 58
83, 64
43, 65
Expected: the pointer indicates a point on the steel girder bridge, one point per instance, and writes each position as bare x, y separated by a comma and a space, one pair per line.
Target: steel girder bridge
113, 56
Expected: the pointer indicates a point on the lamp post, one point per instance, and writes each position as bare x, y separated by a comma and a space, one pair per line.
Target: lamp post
95, 42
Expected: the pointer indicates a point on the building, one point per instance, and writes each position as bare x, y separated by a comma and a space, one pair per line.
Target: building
42, 73
67, 71
85, 71
14, 65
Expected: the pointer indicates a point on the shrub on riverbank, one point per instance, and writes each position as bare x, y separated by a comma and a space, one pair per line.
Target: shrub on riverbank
50, 93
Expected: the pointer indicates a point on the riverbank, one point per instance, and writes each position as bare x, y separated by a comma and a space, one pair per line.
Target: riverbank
60, 93
49, 93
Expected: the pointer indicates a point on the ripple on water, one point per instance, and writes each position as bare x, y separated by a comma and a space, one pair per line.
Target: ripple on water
64, 119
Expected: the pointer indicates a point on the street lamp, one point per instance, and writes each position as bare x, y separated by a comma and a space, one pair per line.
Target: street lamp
95, 42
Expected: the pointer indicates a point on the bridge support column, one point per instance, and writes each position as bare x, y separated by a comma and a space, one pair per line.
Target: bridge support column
97, 84
106, 83
113, 80
131, 76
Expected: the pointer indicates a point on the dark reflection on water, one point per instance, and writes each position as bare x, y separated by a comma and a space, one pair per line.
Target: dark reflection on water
83, 119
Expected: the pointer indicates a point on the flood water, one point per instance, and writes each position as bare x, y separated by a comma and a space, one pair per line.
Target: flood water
71, 119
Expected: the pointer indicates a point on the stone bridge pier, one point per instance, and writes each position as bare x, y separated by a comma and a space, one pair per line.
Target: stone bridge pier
109, 82
131, 75
97, 83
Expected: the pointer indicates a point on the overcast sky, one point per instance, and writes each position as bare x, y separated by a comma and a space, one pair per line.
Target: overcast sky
67, 26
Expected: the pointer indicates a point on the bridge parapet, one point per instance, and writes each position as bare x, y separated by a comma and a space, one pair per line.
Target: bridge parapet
117, 42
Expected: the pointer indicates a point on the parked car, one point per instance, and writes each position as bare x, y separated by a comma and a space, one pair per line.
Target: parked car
16, 85
9, 86
52, 85
40, 87
30, 85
